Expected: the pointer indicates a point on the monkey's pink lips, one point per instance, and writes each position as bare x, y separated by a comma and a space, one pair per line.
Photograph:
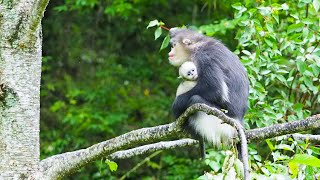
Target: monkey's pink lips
171, 57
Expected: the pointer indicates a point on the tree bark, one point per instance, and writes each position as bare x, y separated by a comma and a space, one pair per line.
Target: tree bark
20, 71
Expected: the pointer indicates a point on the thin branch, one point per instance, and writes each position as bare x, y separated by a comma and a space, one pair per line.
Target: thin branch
301, 137
311, 123
125, 154
147, 159
165, 145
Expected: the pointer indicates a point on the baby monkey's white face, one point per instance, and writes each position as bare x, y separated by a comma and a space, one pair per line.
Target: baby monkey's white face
188, 70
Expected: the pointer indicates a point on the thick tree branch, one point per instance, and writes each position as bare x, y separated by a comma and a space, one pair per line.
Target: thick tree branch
63, 164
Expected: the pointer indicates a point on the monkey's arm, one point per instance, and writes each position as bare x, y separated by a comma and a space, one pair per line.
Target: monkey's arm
183, 101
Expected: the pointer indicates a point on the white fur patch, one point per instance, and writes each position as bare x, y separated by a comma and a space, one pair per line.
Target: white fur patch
211, 128
225, 92
185, 87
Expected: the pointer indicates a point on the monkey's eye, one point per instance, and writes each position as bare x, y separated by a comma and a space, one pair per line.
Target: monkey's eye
189, 74
192, 70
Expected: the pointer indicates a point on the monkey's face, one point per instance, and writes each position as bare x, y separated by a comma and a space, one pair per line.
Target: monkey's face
188, 71
178, 54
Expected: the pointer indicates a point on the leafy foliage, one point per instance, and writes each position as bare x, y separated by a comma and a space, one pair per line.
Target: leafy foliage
103, 76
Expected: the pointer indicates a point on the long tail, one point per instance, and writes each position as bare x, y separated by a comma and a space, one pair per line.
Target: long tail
202, 148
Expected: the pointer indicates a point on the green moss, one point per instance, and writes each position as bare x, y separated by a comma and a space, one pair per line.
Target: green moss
8, 98
14, 36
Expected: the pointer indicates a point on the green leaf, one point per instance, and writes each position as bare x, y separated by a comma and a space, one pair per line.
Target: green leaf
113, 166
153, 23
302, 66
309, 173
237, 6
307, 81
284, 147
269, 143
282, 79
264, 11
157, 33
165, 42
276, 17
246, 52
306, 160
295, 27
298, 107
316, 4
264, 72
294, 167
269, 26
315, 69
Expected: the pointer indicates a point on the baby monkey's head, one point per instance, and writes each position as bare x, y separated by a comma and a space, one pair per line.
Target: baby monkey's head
188, 70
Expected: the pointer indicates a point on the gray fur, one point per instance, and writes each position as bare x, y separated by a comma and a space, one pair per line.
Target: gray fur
216, 65
222, 83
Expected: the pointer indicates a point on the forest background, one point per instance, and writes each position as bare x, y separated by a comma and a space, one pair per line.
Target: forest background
103, 75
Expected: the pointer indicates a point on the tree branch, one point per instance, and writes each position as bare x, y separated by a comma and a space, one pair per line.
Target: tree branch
300, 137
311, 123
64, 164
152, 148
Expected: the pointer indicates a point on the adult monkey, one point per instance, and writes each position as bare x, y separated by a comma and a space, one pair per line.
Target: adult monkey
222, 83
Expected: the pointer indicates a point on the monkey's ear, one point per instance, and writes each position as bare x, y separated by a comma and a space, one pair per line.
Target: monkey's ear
186, 41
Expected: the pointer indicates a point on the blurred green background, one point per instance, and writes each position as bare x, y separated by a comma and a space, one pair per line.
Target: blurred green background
103, 75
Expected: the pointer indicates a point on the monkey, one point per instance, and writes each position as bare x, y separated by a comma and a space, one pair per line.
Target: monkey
188, 72
222, 83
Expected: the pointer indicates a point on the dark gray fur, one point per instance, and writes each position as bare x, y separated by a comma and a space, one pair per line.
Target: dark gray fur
215, 63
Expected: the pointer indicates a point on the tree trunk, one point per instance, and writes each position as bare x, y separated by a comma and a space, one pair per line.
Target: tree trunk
20, 71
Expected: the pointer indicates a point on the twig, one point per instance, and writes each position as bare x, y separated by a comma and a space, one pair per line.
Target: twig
147, 159
163, 27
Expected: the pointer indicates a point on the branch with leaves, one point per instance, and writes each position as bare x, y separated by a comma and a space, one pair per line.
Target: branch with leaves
64, 164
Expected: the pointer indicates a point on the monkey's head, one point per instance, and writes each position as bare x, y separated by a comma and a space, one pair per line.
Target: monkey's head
183, 43
188, 70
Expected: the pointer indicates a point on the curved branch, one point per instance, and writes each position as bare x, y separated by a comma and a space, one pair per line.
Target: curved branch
58, 166
63, 164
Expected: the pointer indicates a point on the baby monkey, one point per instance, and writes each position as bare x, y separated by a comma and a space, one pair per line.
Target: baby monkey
188, 72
